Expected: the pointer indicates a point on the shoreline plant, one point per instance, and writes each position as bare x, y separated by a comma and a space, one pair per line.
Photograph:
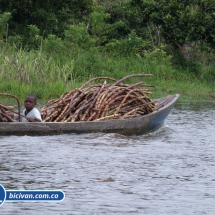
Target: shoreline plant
48, 49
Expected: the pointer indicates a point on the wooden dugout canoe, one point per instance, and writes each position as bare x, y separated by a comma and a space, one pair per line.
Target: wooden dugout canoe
137, 125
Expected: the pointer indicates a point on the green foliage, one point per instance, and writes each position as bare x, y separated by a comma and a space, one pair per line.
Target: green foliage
186, 25
48, 74
73, 40
15, 40
34, 38
209, 74
158, 55
53, 44
78, 35
97, 31
99, 25
4, 17
51, 17
119, 11
130, 45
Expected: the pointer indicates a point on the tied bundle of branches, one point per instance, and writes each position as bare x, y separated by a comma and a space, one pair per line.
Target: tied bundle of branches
7, 112
100, 102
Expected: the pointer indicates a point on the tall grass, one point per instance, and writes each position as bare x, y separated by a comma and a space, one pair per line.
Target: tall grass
49, 74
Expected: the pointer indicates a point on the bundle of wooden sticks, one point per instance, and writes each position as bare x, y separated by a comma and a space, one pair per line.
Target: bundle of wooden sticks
7, 112
100, 102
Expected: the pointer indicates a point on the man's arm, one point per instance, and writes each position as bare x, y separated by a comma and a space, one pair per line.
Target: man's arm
34, 119
35, 116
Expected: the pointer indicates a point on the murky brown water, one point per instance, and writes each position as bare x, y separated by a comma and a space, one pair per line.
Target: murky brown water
169, 171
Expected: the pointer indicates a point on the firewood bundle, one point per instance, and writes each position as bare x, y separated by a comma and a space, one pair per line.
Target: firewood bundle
7, 112
100, 102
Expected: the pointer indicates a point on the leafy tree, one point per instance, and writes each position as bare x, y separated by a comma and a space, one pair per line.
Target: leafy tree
186, 25
77, 35
51, 17
95, 31
4, 17
131, 44
119, 11
100, 26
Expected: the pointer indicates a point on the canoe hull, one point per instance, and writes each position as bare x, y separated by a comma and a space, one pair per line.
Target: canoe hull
138, 125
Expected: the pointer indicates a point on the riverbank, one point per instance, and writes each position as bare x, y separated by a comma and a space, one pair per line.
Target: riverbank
48, 75
187, 90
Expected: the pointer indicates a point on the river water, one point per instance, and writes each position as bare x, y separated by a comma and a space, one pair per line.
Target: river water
169, 171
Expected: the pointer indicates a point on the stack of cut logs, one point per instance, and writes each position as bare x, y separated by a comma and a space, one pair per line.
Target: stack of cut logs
7, 112
100, 102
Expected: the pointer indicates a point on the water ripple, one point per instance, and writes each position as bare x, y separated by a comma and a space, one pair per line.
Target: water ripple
168, 171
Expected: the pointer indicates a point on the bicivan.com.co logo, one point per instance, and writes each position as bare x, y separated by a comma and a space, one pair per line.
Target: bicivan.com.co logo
30, 195
2, 194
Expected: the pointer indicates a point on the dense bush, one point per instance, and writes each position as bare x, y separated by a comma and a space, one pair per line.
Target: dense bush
51, 17
180, 33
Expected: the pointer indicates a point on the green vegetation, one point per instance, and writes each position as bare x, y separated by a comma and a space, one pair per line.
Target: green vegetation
48, 48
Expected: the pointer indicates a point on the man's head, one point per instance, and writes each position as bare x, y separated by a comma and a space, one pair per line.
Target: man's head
30, 102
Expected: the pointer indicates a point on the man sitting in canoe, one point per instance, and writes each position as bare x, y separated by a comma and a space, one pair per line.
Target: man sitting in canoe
32, 114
